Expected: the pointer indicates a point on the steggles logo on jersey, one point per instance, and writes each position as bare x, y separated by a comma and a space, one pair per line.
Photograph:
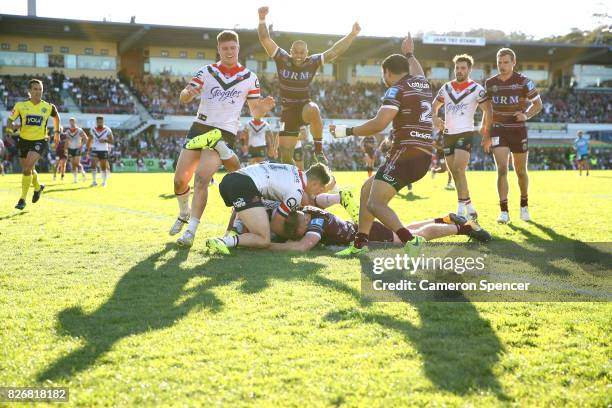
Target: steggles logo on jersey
456, 109
222, 96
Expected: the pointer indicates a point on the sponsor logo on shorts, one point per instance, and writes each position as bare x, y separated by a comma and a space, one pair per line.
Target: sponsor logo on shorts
389, 178
37, 147
239, 203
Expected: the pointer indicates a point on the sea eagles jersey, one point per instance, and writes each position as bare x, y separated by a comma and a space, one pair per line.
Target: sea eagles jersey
223, 92
331, 229
460, 102
279, 182
257, 133
412, 126
74, 137
99, 135
294, 81
508, 97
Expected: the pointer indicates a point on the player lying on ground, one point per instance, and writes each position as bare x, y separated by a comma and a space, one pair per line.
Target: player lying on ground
246, 190
310, 225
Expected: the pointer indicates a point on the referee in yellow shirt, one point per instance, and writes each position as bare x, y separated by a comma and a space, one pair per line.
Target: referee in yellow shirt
34, 114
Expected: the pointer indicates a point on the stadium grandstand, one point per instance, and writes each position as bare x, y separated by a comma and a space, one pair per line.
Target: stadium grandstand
132, 74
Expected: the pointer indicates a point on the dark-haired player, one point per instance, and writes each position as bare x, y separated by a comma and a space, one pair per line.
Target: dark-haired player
407, 103
98, 145
76, 139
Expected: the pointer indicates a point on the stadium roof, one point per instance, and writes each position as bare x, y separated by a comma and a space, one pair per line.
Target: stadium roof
134, 35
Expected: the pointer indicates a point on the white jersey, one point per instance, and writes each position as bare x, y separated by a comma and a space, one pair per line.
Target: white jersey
74, 137
460, 103
223, 92
279, 182
99, 139
257, 133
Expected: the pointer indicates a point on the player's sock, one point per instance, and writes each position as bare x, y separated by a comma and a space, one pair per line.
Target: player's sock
464, 229
103, 177
183, 202
75, 176
361, 240
238, 227
35, 182
231, 241
370, 169
461, 207
524, 201
325, 200
193, 225
108, 173
94, 175
470, 207
404, 235
25, 185
503, 205
439, 221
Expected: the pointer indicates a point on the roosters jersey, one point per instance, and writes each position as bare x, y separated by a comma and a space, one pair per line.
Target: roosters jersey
74, 137
257, 133
279, 182
460, 103
223, 92
100, 136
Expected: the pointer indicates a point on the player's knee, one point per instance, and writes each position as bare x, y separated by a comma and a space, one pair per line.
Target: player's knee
373, 206
202, 179
502, 171
521, 173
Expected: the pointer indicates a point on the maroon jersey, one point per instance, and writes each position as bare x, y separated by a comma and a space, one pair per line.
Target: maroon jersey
369, 142
411, 96
331, 229
59, 148
508, 97
295, 81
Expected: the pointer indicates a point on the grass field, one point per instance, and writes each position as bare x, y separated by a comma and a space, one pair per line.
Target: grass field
95, 296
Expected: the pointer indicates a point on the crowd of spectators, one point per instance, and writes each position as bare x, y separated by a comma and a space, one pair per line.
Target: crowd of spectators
15, 88
570, 105
100, 95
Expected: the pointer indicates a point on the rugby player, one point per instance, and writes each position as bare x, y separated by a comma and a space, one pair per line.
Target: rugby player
583, 149
223, 87
406, 104
296, 70
258, 138
515, 100
61, 154
460, 98
98, 148
76, 139
34, 114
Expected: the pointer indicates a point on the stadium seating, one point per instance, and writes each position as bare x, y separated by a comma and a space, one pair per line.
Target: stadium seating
95, 95
14, 89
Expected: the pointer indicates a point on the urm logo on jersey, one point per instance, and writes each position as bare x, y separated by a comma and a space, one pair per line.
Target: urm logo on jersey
505, 100
295, 76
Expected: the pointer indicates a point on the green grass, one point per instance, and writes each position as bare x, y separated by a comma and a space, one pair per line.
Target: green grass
95, 296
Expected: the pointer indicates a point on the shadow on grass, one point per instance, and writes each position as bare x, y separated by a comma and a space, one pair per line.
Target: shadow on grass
410, 196
59, 190
145, 299
14, 215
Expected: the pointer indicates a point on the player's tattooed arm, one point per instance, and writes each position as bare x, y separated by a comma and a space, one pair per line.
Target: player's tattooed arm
342, 45
262, 31
373, 126
437, 121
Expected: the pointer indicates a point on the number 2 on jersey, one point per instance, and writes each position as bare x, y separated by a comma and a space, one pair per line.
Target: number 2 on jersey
426, 115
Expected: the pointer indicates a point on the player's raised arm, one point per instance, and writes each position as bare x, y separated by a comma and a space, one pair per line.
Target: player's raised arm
262, 31
408, 51
342, 45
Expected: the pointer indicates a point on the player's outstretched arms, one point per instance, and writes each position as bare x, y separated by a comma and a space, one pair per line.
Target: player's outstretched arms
262, 31
373, 126
305, 244
342, 45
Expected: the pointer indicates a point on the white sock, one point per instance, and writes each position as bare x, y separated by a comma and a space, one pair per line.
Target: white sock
83, 171
108, 173
76, 176
193, 225
327, 199
470, 208
94, 174
461, 208
103, 177
183, 202
231, 242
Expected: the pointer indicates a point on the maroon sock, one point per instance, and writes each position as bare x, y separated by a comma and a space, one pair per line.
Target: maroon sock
361, 240
523, 201
464, 229
404, 235
503, 204
439, 221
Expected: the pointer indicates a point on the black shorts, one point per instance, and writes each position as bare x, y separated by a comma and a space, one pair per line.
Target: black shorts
239, 191
37, 146
298, 154
514, 138
198, 129
257, 151
291, 119
380, 233
74, 152
582, 157
461, 141
100, 154
403, 165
